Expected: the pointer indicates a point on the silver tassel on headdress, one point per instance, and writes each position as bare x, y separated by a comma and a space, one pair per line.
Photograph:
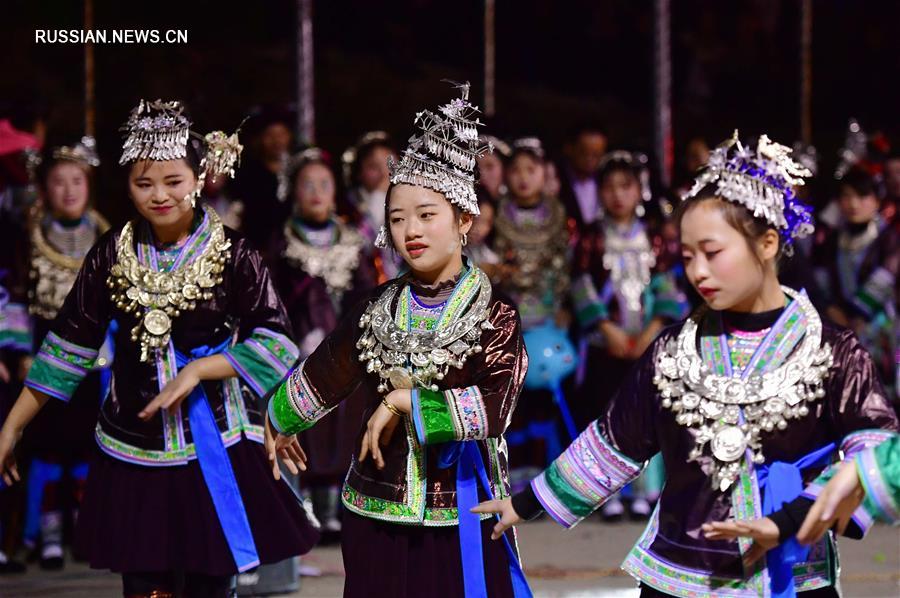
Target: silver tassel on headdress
444, 156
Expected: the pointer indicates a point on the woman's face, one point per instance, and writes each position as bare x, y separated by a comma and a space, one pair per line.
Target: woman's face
717, 259
620, 194
275, 141
490, 173
525, 179
373, 170
67, 190
424, 227
314, 193
856, 208
159, 190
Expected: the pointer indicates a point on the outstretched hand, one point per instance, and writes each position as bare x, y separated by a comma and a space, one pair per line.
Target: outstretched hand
763, 531
286, 448
504, 508
835, 505
173, 393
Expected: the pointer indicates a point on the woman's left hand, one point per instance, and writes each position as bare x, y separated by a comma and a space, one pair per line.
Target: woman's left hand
382, 424
763, 531
173, 393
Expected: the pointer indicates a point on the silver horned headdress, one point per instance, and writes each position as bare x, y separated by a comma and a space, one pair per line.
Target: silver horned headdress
442, 157
160, 131
763, 181
84, 152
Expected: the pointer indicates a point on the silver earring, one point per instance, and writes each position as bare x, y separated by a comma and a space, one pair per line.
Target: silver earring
640, 211
465, 239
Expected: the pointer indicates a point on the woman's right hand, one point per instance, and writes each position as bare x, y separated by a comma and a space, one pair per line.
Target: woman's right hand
8, 468
504, 508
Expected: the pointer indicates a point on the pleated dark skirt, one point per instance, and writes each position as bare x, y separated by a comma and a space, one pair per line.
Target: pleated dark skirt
145, 519
410, 561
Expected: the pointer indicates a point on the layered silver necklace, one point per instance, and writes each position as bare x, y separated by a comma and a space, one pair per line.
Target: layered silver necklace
728, 414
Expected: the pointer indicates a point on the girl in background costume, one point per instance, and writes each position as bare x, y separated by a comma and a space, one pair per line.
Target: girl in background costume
532, 241
437, 360
366, 173
178, 496
623, 296
322, 267
61, 230
857, 266
747, 400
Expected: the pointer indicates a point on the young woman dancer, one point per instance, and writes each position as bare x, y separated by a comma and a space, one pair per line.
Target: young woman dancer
746, 399
179, 497
438, 361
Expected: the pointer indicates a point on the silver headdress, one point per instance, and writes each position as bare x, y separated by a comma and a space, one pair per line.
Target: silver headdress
84, 152
763, 181
160, 131
350, 155
442, 157
500, 146
636, 161
528, 144
155, 131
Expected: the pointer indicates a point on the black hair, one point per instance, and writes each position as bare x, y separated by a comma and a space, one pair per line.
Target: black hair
860, 181
619, 165
583, 128
751, 227
364, 151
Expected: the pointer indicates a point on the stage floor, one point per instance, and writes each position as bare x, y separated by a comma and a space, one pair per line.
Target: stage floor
579, 563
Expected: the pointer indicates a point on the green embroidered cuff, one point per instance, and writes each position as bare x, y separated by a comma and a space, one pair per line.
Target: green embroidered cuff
263, 359
59, 367
432, 417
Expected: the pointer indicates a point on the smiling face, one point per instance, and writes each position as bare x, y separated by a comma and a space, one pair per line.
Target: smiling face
66, 190
314, 193
718, 259
159, 190
425, 229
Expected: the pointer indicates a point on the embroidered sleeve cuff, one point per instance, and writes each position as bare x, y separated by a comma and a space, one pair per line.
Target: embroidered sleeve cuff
296, 406
589, 309
881, 499
585, 476
455, 414
669, 303
59, 367
263, 359
15, 328
876, 293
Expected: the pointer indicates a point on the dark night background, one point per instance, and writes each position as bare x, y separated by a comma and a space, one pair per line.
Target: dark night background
735, 64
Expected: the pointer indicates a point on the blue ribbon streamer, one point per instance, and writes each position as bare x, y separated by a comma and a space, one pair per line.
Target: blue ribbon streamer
106, 372
560, 399
470, 471
216, 468
781, 483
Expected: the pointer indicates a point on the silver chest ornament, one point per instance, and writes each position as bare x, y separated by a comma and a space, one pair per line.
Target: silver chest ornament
730, 414
404, 359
